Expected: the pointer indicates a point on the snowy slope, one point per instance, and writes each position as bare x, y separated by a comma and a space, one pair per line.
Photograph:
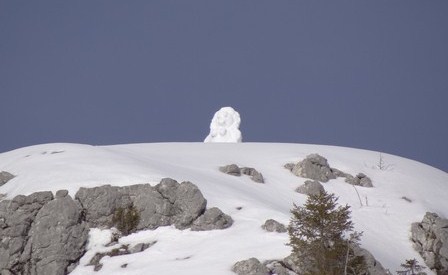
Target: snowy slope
385, 221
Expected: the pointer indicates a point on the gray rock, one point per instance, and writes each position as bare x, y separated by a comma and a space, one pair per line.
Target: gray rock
234, 170
360, 180
61, 193
310, 188
278, 268
16, 218
253, 173
57, 237
373, 266
274, 226
212, 219
5, 177
231, 169
140, 247
251, 266
292, 262
314, 167
100, 203
165, 204
430, 239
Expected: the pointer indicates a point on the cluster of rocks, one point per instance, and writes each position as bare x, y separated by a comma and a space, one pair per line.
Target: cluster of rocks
430, 239
5, 177
316, 168
289, 265
274, 226
122, 250
43, 234
234, 170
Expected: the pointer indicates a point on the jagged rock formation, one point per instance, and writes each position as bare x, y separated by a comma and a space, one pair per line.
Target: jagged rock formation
430, 239
310, 188
234, 170
5, 177
272, 225
42, 234
165, 204
316, 167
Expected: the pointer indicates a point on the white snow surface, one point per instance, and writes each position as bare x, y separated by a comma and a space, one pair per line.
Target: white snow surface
385, 221
225, 126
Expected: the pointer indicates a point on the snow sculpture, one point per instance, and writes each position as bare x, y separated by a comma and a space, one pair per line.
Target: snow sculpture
225, 126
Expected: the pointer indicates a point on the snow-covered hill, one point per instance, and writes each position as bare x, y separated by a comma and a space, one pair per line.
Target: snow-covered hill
385, 220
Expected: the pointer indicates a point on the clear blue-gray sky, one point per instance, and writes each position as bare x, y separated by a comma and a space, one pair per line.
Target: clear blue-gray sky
364, 74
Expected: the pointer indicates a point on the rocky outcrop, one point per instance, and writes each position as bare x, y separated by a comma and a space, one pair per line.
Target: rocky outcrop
57, 237
310, 188
169, 202
360, 180
251, 266
42, 234
212, 219
118, 251
430, 239
274, 226
292, 265
5, 177
316, 167
313, 167
234, 170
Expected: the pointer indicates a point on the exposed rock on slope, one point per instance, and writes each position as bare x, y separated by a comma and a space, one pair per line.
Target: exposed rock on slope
316, 167
5, 177
310, 188
234, 170
274, 226
167, 203
41, 234
430, 239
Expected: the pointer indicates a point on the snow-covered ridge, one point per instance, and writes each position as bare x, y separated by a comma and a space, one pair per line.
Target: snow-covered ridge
385, 220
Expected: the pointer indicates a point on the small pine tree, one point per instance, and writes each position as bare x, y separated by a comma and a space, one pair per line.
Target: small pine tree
317, 235
411, 268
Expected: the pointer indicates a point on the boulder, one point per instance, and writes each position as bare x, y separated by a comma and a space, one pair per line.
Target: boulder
310, 188
231, 169
430, 239
251, 266
212, 219
373, 266
360, 180
278, 268
313, 167
5, 177
274, 226
234, 170
253, 174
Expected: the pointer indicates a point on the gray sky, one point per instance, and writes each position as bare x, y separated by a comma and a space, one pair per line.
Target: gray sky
364, 74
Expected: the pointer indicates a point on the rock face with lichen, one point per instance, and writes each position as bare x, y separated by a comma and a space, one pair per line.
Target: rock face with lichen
430, 239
